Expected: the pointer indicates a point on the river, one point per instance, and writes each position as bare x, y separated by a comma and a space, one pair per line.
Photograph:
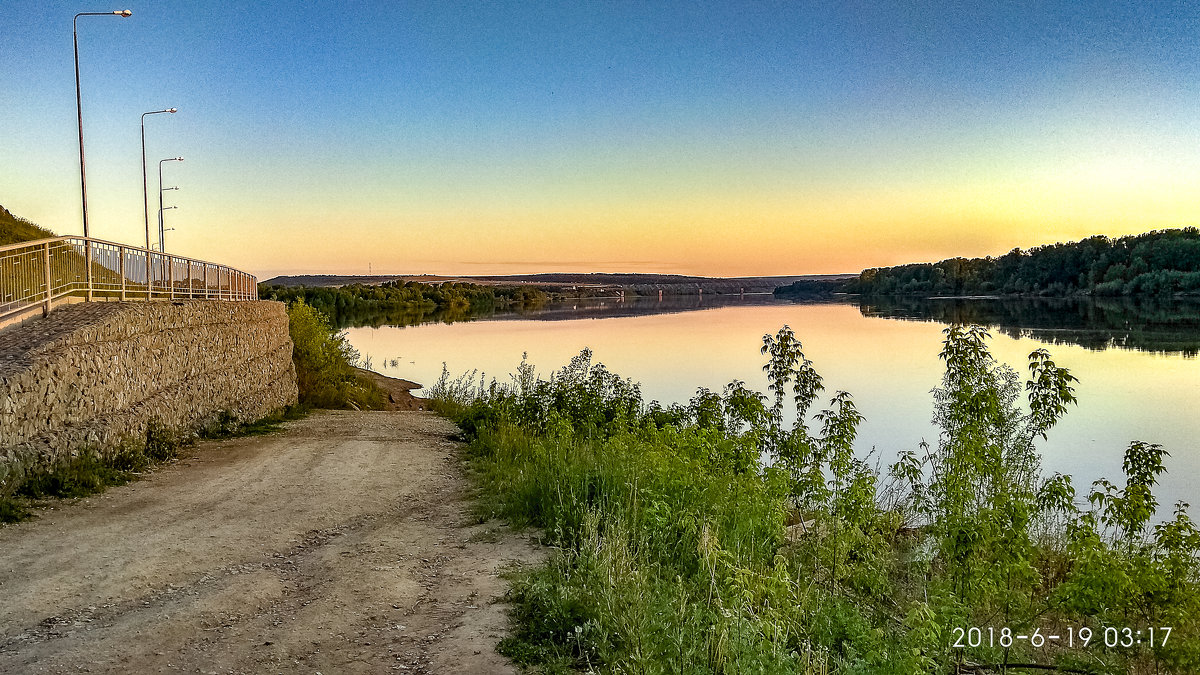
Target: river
1139, 378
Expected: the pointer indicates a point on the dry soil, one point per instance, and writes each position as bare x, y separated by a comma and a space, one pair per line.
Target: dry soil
342, 544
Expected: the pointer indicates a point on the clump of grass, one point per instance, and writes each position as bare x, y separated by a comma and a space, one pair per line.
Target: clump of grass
13, 511
84, 475
90, 472
226, 425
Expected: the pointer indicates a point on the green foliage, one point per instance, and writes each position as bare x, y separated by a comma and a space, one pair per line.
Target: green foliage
1158, 263
90, 472
226, 425
811, 289
325, 362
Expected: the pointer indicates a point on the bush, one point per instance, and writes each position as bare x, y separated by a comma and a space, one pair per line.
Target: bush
325, 363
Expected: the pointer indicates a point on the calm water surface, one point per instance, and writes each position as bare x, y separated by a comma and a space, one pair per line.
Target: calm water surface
887, 363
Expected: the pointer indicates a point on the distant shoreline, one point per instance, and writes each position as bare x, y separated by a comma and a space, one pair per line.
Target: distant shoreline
668, 284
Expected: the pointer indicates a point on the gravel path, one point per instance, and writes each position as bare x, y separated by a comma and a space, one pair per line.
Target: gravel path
342, 544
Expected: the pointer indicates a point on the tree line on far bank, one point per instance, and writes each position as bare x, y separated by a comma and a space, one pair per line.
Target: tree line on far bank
402, 302
1157, 263
1162, 262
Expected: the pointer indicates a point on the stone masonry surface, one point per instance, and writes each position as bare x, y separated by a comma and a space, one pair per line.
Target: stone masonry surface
93, 376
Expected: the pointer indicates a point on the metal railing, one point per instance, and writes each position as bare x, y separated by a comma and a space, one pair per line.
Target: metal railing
42, 273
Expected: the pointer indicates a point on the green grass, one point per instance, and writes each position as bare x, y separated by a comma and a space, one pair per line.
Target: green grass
226, 426
325, 360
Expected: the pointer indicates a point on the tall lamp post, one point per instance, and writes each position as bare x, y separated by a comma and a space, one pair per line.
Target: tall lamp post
79, 107
87, 245
145, 195
145, 190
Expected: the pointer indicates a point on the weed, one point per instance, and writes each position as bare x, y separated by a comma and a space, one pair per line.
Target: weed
226, 425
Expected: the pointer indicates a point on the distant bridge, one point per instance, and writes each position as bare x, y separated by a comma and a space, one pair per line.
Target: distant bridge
35, 276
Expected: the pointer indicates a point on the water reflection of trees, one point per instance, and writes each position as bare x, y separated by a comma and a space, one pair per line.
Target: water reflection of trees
374, 317
1153, 325
562, 310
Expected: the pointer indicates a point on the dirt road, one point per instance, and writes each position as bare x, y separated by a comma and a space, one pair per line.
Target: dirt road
340, 545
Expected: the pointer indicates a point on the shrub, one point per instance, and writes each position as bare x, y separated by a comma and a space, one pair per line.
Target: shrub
325, 363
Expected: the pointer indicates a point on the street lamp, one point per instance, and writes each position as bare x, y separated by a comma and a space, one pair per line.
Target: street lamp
160, 200
146, 199
145, 195
79, 111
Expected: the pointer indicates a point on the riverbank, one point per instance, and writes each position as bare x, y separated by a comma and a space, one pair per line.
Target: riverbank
676, 551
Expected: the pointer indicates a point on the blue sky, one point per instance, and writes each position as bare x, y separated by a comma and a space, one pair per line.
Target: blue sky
712, 138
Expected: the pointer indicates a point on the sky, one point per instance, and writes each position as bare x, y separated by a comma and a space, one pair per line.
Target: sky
722, 138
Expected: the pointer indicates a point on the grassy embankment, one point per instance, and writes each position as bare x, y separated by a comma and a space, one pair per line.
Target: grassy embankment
14, 229
674, 551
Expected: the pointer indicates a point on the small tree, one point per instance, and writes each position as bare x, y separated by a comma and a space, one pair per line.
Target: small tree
978, 490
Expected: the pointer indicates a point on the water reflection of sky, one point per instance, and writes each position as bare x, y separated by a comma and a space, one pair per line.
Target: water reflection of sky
889, 366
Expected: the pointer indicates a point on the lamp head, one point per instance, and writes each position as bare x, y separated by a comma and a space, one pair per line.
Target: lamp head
123, 12
171, 110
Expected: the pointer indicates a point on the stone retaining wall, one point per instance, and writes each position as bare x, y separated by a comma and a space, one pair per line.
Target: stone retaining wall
93, 377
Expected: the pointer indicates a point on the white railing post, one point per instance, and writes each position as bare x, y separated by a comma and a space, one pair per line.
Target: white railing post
121, 253
46, 259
